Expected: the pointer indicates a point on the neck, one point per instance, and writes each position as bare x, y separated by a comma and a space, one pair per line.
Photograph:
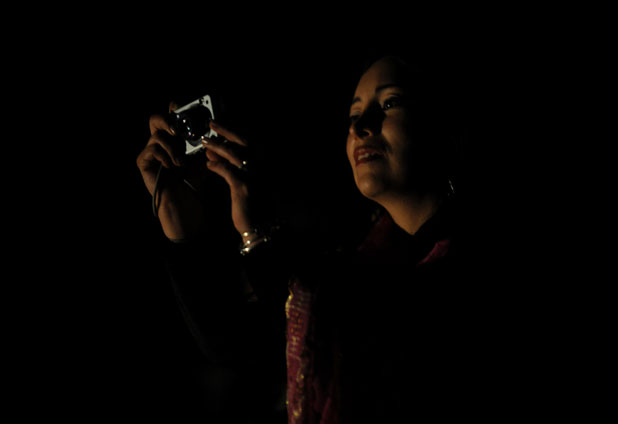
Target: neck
411, 211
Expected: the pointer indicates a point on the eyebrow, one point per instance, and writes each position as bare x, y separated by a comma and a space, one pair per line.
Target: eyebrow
378, 89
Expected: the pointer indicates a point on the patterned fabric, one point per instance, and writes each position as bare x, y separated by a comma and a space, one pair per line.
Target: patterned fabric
297, 310
313, 392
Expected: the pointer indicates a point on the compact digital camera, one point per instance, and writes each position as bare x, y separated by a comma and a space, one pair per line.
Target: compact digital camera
192, 123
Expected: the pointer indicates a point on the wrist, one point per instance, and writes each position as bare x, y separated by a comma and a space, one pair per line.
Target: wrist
255, 237
250, 235
180, 221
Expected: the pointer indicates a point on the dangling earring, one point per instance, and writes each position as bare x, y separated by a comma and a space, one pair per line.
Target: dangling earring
451, 188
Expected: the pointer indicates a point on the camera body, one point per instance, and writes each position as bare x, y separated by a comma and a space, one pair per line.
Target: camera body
192, 123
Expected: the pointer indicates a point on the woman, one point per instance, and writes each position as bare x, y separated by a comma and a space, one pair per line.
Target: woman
372, 333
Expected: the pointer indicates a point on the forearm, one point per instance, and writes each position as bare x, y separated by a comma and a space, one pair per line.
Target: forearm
212, 282
206, 285
233, 333
268, 270
181, 213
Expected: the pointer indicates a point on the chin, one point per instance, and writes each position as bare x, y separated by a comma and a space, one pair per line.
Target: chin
370, 187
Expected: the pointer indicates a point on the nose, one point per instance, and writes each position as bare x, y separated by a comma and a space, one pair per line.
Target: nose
368, 124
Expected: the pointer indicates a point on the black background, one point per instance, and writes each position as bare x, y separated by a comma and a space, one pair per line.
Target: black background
106, 333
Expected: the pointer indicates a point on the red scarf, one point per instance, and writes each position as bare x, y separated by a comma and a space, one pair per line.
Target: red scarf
313, 392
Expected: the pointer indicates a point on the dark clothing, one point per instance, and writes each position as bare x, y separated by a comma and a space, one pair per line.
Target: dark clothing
389, 329
242, 341
397, 326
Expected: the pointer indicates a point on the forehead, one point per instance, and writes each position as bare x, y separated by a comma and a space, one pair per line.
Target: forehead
384, 71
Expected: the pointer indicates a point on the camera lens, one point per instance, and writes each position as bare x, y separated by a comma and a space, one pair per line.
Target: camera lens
192, 124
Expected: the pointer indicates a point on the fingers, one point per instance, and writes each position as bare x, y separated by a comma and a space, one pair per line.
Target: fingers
213, 156
161, 123
171, 145
229, 172
228, 151
154, 153
229, 135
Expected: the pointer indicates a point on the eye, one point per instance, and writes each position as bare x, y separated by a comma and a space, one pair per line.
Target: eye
391, 102
354, 118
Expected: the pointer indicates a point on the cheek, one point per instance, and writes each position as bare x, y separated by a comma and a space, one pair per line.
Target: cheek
399, 135
348, 150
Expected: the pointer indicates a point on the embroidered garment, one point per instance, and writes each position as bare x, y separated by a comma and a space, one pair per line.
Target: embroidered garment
358, 323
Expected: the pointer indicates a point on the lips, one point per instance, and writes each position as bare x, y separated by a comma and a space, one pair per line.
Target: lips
363, 154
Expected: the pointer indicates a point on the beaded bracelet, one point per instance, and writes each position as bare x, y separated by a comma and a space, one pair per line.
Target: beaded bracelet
251, 244
248, 233
253, 232
260, 236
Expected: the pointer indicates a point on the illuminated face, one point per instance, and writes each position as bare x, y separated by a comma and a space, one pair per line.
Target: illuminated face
380, 146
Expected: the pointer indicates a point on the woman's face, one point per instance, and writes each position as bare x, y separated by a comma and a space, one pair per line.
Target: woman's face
380, 146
